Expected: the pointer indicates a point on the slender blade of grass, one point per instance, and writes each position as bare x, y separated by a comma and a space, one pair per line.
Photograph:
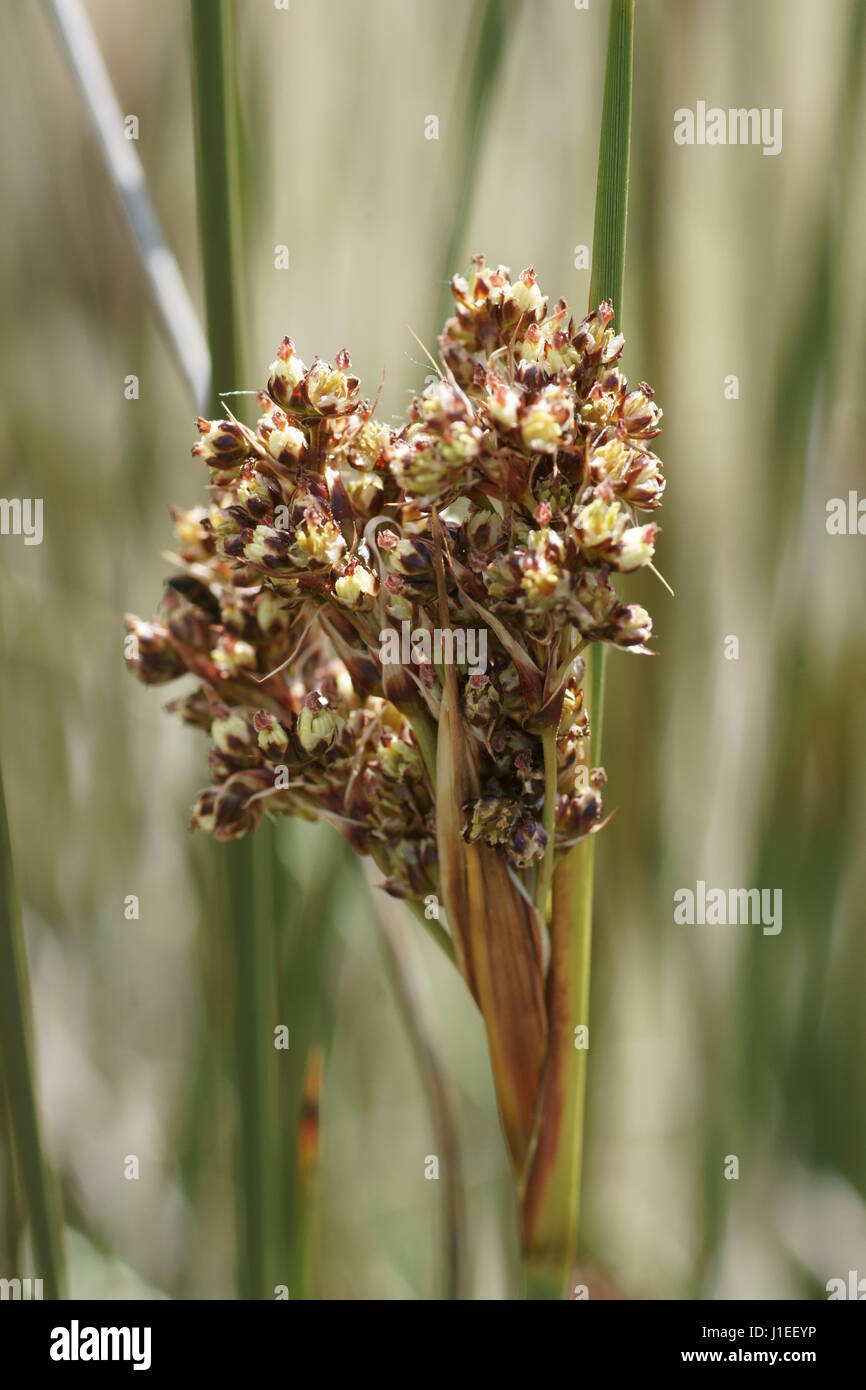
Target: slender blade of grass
174, 306
248, 863
552, 1198
611, 198
482, 74
33, 1172
607, 275
218, 186
436, 1089
249, 919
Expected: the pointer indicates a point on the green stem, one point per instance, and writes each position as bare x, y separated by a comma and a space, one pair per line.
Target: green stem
607, 276
312, 864
438, 1098
32, 1167
545, 876
248, 864
480, 78
611, 197
425, 732
552, 1198
218, 185
597, 683
540, 1282
251, 929
607, 279
435, 931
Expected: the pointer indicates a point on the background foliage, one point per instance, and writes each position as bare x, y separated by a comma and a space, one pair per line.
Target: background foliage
750, 772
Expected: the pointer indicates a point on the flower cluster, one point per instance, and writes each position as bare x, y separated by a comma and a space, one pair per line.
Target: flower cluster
508, 502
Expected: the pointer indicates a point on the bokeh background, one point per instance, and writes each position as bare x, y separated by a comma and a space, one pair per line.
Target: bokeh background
706, 1042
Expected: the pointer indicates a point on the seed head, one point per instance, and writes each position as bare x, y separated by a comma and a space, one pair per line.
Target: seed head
507, 505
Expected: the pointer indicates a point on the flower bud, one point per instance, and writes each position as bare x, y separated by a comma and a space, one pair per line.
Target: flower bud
222, 524
357, 587
636, 548
365, 493
272, 737
597, 344
484, 529
578, 813
223, 443
318, 542
285, 373
640, 414
633, 626
542, 566
271, 613
367, 446
237, 809
397, 606
203, 812
408, 557
546, 420
282, 439
528, 843
398, 760
503, 402
441, 405
527, 296
599, 526
231, 735
481, 700
194, 534
267, 547
331, 390
151, 655
231, 656
318, 726
253, 493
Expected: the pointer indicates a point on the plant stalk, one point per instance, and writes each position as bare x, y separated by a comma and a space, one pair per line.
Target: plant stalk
124, 168
480, 79
551, 1202
545, 875
33, 1173
439, 1099
249, 862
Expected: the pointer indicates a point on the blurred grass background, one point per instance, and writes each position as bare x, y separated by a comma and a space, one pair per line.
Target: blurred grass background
749, 772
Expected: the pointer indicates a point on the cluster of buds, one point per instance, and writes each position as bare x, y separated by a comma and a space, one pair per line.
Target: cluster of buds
508, 503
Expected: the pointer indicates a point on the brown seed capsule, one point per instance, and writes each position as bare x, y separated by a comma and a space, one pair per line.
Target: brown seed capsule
149, 652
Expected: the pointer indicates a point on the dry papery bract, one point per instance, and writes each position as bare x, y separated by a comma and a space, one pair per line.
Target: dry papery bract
506, 505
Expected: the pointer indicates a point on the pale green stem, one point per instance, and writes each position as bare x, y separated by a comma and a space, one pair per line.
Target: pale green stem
551, 1206
435, 931
606, 282
248, 862
425, 732
478, 83
439, 1099
545, 874
32, 1168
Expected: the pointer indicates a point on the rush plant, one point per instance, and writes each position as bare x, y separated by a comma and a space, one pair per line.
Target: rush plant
510, 499
510, 502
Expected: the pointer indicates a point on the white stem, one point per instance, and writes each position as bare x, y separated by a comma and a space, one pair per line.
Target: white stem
125, 169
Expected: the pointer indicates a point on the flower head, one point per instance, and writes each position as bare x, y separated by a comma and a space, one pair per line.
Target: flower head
507, 505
